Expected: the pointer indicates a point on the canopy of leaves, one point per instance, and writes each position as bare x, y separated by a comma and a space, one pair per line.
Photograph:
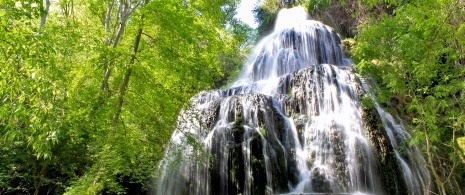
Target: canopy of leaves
417, 57
90, 89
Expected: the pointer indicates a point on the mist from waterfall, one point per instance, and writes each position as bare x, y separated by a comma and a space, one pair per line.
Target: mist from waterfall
292, 123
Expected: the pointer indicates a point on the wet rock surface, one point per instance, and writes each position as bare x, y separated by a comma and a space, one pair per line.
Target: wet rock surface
253, 151
292, 123
390, 172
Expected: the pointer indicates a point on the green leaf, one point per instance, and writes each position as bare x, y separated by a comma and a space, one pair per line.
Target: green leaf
12, 136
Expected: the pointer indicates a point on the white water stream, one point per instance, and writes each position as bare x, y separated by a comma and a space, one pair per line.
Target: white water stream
291, 123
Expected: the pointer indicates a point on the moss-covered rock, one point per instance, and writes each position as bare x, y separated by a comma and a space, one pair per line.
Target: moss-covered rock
390, 172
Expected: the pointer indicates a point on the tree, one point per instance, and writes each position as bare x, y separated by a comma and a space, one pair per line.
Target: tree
266, 14
90, 89
416, 55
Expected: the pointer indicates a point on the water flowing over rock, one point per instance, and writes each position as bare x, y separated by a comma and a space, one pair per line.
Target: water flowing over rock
292, 123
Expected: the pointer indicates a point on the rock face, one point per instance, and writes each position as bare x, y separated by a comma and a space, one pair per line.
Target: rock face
249, 146
292, 123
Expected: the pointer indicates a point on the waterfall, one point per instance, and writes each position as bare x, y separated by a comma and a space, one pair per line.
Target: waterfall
292, 123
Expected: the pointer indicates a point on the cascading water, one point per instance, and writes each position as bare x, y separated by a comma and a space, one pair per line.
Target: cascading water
292, 123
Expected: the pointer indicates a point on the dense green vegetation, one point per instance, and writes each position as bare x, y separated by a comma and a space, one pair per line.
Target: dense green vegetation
90, 89
414, 53
341, 15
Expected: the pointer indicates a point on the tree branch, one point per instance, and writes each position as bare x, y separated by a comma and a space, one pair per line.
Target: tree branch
45, 13
124, 86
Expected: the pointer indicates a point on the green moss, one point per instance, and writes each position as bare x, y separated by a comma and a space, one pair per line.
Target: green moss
367, 102
389, 170
238, 121
289, 91
263, 131
282, 164
461, 141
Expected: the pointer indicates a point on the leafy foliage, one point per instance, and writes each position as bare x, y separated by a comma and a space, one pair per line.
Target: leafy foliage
266, 14
90, 89
417, 57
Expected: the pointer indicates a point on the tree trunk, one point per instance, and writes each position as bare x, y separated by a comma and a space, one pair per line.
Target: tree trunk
107, 21
115, 44
104, 85
37, 178
437, 178
124, 11
45, 13
124, 86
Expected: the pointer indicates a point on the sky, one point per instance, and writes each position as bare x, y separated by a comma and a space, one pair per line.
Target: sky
244, 12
